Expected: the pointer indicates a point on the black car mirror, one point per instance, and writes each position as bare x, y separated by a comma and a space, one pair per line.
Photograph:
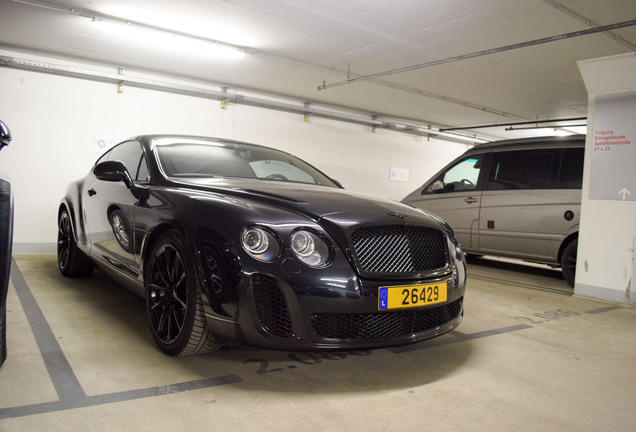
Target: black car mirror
5, 135
113, 171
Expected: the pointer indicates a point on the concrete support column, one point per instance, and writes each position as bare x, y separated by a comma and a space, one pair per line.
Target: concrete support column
606, 262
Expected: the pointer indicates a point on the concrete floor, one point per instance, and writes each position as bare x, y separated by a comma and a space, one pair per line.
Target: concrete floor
527, 357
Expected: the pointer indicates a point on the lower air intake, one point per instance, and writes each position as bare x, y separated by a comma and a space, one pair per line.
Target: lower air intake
384, 325
271, 306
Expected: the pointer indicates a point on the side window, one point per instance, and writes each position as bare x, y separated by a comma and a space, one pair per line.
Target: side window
524, 169
537, 170
142, 174
571, 173
462, 176
130, 154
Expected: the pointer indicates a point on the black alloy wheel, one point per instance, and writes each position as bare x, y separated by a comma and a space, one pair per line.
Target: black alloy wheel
70, 259
173, 300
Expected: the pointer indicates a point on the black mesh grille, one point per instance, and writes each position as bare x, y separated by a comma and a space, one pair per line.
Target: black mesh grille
383, 325
271, 306
399, 249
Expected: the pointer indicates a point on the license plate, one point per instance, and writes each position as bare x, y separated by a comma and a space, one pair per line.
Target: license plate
412, 296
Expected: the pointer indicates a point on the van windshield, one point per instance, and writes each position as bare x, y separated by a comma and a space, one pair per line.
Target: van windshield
462, 176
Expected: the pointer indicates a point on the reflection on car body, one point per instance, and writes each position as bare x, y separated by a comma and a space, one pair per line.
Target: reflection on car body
232, 242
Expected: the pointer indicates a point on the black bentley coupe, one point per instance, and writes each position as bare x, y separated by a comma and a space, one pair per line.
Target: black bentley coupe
230, 242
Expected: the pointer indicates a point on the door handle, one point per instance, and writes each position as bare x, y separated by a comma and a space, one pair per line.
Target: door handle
471, 200
92, 192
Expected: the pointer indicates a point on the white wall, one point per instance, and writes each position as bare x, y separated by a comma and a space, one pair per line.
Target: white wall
606, 260
55, 120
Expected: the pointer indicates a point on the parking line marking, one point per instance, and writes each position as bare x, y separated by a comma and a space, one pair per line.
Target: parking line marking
64, 380
123, 396
563, 291
601, 310
69, 390
459, 337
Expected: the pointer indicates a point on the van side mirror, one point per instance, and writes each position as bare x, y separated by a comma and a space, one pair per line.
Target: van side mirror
438, 186
337, 183
113, 171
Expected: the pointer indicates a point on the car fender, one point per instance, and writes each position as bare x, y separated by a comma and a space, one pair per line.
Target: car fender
70, 202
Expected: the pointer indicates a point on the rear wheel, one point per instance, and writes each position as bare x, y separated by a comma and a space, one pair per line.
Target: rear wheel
568, 262
70, 259
173, 300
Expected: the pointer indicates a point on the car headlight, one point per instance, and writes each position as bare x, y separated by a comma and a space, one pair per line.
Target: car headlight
310, 248
260, 243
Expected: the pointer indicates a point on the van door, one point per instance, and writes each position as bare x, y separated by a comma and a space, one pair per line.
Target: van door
454, 196
527, 206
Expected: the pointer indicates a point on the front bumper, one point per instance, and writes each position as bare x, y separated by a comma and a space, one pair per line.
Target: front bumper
286, 305
300, 312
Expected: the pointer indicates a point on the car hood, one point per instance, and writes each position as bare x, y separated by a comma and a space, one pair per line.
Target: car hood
319, 203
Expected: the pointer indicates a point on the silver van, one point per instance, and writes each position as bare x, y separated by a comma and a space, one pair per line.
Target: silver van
513, 198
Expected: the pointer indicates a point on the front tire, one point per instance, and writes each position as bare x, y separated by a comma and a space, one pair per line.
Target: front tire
173, 300
568, 262
70, 259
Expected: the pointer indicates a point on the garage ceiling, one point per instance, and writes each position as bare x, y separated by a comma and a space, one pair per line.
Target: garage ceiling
291, 47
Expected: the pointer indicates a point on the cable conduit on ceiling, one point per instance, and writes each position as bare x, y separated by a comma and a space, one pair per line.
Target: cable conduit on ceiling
588, 22
550, 122
601, 29
222, 95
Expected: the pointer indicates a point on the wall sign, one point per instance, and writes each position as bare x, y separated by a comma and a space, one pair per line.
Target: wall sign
613, 159
105, 142
399, 174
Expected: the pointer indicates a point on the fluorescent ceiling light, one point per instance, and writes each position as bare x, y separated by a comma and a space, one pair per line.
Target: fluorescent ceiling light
212, 28
576, 130
164, 40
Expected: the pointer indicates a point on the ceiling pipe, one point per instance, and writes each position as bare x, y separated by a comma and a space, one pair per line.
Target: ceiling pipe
589, 22
606, 28
224, 96
534, 122
85, 13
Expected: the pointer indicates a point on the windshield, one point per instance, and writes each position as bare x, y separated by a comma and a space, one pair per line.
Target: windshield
201, 158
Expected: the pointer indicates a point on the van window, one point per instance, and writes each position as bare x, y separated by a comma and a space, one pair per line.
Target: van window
571, 174
462, 176
537, 168
531, 169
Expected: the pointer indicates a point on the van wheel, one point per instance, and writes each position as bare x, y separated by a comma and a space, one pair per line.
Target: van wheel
568, 262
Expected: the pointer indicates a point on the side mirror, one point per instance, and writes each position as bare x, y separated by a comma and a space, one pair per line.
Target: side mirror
438, 186
5, 135
337, 183
113, 171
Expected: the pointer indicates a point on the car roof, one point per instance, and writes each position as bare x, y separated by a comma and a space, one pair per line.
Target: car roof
528, 143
